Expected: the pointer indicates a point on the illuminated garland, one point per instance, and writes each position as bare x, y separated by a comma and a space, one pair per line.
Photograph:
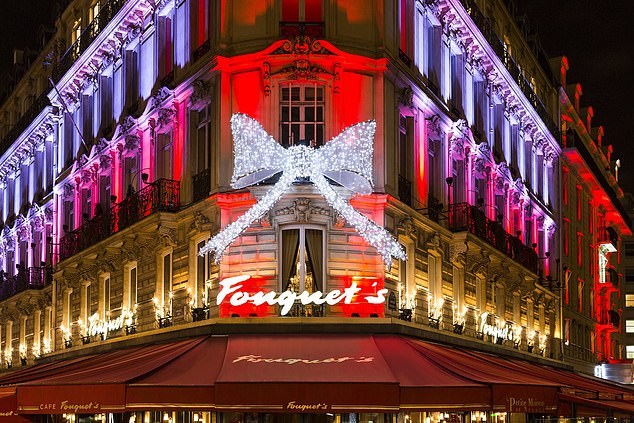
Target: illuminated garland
346, 159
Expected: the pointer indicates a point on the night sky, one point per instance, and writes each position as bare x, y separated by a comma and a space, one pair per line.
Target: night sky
597, 38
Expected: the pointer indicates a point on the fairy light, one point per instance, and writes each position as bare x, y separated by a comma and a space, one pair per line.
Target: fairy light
346, 159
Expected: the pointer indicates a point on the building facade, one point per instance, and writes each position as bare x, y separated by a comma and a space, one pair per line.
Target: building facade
125, 173
594, 220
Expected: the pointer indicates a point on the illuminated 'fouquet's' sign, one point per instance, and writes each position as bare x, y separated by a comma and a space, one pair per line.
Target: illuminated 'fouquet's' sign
231, 289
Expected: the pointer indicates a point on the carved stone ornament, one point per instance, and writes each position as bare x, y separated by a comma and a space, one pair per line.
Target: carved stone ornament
406, 97
433, 241
105, 161
433, 123
160, 96
68, 190
499, 187
86, 176
407, 227
132, 142
458, 253
516, 198
301, 209
166, 116
479, 167
266, 77
128, 123
200, 221
48, 214
102, 144
200, 96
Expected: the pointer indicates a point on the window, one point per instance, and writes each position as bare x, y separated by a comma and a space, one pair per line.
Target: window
565, 177
106, 104
93, 11
166, 47
434, 161
629, 274
302, 10
566, 235
303, 259
130, 175
629, 300
629, 249
405, 158
200, 23
629, 326
86, 204
579, 248
203, 140
405, 27
203, 274
302, 115
106, 296
133, 287
131, 75
105, 202
432, 37
76, 31
167, 282
164, 159
69, 215
457, 67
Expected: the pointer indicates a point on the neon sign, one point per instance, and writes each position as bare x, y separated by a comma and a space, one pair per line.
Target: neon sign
503, 332
103, 327
233, 291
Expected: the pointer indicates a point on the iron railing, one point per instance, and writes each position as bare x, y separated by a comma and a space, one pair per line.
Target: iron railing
314, 30
88, 35
487, 29
465, 217
25, 120
160, 195
24, 279
201, 183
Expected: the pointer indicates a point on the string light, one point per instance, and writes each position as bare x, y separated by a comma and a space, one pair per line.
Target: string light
346, 159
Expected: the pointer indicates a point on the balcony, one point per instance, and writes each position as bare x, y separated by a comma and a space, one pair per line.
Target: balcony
609, 317
487, 29
162, 195
202, 185
25, 120
25, 279
314, 30
88, 35
465, 217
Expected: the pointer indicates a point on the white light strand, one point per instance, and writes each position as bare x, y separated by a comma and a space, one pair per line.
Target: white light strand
346, 159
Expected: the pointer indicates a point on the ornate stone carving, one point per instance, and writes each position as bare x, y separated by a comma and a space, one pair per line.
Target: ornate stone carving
433, 124
166, 116
201, 221
479, 263
200, 95
458, 253
132, 142
68, 190
128, 123
407, 227
160, 96
301, 208
406, 97
105, 161
266, 77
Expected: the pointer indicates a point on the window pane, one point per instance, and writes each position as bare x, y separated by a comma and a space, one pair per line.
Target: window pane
285, 94
629, 326
133, 286
309, 114
630, 351
309, 95
629, 300
295, 93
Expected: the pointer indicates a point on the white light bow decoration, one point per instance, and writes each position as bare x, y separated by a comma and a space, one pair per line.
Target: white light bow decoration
346, 159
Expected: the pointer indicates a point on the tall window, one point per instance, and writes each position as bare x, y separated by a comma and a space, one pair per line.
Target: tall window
302, 10
93, 11
203, 140
104, 194
480, 105
166, 46
200, 22
302, 114
433, 41
164, 157
131, 71
405, 158
434, 161
106, 296
86, 204
405, 26
203, 273
133, 287
167, 282
457, 66
106, 104
130, 175
629, 326
303, 259
565, 177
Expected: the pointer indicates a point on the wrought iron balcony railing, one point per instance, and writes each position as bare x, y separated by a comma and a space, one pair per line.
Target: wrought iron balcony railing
465, 217
88, 35
314, 30
160, 195
486, 28
24, 279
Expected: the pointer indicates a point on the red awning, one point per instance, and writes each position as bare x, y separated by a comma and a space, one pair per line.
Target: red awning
511, 391
585, 407
293, 373
307, 373
93, 384
9, 407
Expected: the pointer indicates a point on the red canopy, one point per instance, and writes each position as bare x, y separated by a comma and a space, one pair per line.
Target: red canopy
296, 373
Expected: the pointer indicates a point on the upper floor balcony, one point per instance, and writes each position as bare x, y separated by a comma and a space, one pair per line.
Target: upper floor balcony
486, 27
108, 11
160, 195
465, 217
23, 280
